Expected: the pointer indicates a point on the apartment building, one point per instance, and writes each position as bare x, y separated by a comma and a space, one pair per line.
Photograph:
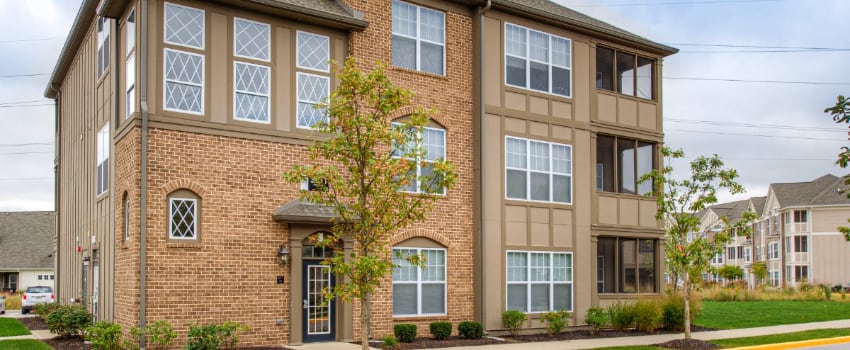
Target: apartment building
796, 234
739, 250
175, 120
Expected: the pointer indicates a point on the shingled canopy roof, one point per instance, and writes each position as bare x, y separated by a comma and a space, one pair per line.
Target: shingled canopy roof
825, 190
26, 240
304, 212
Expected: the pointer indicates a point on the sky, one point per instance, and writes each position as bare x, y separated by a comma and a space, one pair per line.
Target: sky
770, 131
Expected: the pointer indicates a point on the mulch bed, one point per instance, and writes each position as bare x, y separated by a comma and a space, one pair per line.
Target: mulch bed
429, 343
33, 323
688, 344
74, 343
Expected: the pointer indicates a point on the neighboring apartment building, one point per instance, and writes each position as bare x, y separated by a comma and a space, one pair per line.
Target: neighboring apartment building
26, 250
796, 234
739, 250
175, 120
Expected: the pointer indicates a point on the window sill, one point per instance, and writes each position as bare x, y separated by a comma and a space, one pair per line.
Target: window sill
421, 318
531, 92
185, 245
414, 71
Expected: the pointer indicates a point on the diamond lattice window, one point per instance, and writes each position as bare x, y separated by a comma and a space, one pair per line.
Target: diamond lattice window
312, 89
313, 51
184, 26
251, 89
184, 81
251, 39
183, 214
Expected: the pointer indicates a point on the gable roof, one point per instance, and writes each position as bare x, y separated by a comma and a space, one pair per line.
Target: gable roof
758, 204
825, 190
26, 240
732, 210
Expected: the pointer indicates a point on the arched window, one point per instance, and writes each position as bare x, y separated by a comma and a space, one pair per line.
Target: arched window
419, 290
433, 143
184, 215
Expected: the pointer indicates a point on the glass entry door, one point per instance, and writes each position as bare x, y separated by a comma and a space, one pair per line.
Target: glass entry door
317, 316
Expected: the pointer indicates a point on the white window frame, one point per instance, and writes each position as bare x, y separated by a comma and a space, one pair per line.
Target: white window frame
528, 59
127, 219
326, 64
268, 48
298, 99
171, 218
103, 148
165, 82
130, 32
748, 254
773, 251
417, 161
165, 26
717, 259
528, 283
103, 31
419, 40
267, 95
419, 282
130, 86
528, 171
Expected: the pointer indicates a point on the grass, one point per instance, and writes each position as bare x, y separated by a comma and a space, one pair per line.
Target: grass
782, 338
10, 327
746, 314
24, 344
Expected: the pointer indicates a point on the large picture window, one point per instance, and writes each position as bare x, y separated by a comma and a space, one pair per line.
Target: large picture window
538, 170
539, 281
623, 161
625, 73
630, 264
433, 143
419, 38
102, 176
419, 291
537, 61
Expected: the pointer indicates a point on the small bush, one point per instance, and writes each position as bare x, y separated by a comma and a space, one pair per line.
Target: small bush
470, 330
390, 341
68, 320
827, 291
214, 336
673, 311
512, 320
43, 310
405, 332
596, 318
441, 330
159, 335
647, 315
622, 316
104, 335
556, 321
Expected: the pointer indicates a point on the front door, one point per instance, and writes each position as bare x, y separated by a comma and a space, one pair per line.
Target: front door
317, 316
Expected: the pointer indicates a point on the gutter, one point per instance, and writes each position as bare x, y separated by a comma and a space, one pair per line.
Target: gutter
482, 113
113, 125
142, 55
56, 185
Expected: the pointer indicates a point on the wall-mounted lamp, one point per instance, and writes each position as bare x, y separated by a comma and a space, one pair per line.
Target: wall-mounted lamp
283, 254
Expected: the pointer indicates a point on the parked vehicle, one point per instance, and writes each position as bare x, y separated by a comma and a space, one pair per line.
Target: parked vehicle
34, 296
2, 305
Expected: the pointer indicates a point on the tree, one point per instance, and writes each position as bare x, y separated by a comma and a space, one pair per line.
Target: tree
731, 272
690, 244
841, 114
362, 163
759, 269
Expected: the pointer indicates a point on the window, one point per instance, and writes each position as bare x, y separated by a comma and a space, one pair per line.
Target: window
801, 216
310, 184
748, 255
102, 175
419, 291
102, 45
52, 277
633, 159
774, 278
801, 244
313, 53
130, 66
537, 61
801, 273
183, 214
126, 217
251, 82
40, 277
130, 32
538, 170
433, 144
635, 75
419, 38
740, 253
773, 251
539, 281
730, 253
717, 259
630, 264
183, 70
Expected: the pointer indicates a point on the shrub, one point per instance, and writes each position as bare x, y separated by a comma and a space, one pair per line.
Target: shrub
214, 336
104, 335
556, 321
622, 316
68, 320
512, 320
390, 341
441, 330
673, 311
405, 332
827, 291
43, 310
647, 315
159, 335
470, 330
596, 318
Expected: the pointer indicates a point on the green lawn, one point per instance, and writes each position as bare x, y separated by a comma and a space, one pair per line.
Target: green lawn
635, 347
24, 344
782, 338
10, 327
746, 314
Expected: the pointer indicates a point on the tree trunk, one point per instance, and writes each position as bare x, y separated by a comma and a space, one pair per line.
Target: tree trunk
687, 294
365, 320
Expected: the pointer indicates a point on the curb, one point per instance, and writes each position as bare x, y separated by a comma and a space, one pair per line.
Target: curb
798, 344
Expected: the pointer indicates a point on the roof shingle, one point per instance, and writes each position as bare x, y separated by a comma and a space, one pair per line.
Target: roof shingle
26, 240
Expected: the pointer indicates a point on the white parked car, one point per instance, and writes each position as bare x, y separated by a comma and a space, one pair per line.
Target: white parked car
34, 296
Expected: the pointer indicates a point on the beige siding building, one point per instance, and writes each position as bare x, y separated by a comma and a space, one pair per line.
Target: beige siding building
176, 119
